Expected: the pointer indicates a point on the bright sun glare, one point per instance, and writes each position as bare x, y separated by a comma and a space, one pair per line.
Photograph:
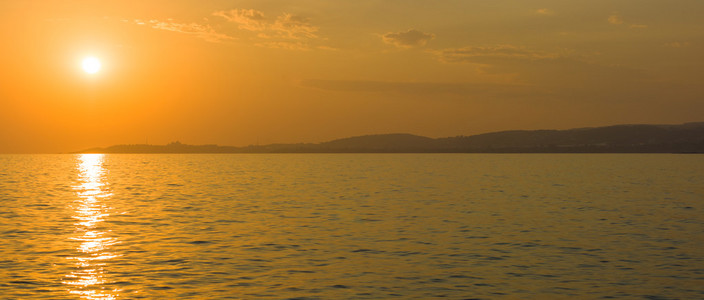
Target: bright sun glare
91, 65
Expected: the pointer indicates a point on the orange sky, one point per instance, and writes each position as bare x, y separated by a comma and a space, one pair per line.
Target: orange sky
246, 72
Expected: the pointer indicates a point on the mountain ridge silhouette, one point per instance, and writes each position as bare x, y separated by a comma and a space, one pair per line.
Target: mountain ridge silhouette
626, 138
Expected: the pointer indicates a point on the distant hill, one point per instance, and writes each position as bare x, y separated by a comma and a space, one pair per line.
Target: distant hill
688, 137
399, 142
684, 138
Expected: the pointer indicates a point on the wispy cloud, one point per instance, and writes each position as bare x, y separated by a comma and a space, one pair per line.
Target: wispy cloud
616, 19
247, 19
544, 12
293, 27
677, 44
407, 39
202, 31
458, 88
284, 45
560, 72
481, 54
285, 31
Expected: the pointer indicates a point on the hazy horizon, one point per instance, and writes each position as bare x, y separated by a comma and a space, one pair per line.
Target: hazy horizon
249, 72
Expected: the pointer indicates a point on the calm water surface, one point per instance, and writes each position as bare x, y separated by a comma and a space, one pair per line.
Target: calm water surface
347, 226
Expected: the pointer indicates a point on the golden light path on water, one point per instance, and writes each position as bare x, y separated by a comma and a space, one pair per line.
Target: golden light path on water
90, 211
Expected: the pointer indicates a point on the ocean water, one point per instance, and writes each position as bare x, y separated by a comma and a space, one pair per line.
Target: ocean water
352, 226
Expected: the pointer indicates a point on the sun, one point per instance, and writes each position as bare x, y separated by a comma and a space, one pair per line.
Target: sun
91, 65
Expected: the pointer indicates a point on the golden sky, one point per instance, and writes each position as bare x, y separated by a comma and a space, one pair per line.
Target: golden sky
269, 71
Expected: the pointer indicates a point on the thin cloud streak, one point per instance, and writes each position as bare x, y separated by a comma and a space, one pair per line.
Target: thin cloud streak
616, 19
247, 19
286, 31
407, 39
544, 12
202, 31
479, 54
562, 74
415, 88
284, 45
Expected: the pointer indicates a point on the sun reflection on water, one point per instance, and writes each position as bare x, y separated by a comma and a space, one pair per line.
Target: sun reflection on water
88, 280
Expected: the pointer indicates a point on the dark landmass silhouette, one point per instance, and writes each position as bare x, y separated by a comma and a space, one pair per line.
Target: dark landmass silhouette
683, 138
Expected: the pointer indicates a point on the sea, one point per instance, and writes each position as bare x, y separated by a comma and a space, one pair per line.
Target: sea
352, 226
